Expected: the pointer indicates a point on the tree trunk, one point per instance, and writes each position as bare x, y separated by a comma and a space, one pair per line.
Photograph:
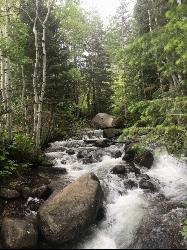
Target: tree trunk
44, 73
24, 85
8, 85
175, 80
3, 91
24, 102
150, 24
9, 99
35, 76
41, 98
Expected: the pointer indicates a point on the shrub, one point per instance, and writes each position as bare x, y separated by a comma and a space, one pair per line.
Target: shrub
23, 150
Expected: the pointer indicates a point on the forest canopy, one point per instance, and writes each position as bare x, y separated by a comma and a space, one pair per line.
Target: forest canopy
61, 65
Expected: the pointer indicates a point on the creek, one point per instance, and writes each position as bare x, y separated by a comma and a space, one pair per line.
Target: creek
134, 218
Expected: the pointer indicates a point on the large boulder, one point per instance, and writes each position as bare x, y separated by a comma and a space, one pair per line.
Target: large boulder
161, 231
112, 133
69, 212
103, 121
58, 185
19, 234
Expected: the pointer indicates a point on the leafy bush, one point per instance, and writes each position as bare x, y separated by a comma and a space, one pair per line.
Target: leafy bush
69, 120
157, 112
173, 137
19, 156
7, 166
184, 230
23, 150
162, 121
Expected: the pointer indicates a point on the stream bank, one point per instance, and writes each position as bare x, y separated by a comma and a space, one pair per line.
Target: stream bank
142, 206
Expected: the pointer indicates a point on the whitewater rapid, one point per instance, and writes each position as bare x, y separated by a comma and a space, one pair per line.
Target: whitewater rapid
125, 209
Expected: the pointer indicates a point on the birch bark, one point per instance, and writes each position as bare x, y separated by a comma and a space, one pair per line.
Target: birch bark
40, 97
3, 91
8, 85
35, 75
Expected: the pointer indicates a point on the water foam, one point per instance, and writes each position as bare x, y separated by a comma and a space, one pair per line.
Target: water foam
172, 174
124, 211
122, 219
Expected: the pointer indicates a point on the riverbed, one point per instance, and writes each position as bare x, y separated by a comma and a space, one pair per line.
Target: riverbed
129, 213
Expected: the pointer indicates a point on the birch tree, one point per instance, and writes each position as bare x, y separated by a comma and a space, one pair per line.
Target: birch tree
6, 85
39, 94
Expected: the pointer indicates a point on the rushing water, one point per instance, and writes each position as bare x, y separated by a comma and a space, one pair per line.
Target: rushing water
125, 209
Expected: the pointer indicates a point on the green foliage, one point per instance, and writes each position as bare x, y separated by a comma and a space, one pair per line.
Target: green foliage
8, 166
68, 119
157, 112
24, 151
19, 156
161, 121
173, 137
184, 230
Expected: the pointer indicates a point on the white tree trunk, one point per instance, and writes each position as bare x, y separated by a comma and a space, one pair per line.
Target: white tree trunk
175, 80
3, 91
9, 99
8, 84
150, 24
44, 73
24, 101
23, 85
35, 76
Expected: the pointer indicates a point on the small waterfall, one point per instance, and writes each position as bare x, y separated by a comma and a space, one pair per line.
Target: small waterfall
122, 219
172, 174
125, 209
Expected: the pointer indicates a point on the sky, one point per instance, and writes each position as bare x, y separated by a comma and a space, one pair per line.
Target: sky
105, 7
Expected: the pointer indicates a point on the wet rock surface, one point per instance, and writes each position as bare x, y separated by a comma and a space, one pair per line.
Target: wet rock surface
52, 170
130, 184
26, 192
111, 133
120, 170
103, 120
41, 192
70, 152
116, 154
9, 194
146, 159
136, 194
59, 184
148, 185
102, 143
129, 155
19, 234
68, 213
162, 231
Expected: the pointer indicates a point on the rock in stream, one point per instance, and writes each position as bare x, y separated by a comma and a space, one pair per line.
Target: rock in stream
69, 212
